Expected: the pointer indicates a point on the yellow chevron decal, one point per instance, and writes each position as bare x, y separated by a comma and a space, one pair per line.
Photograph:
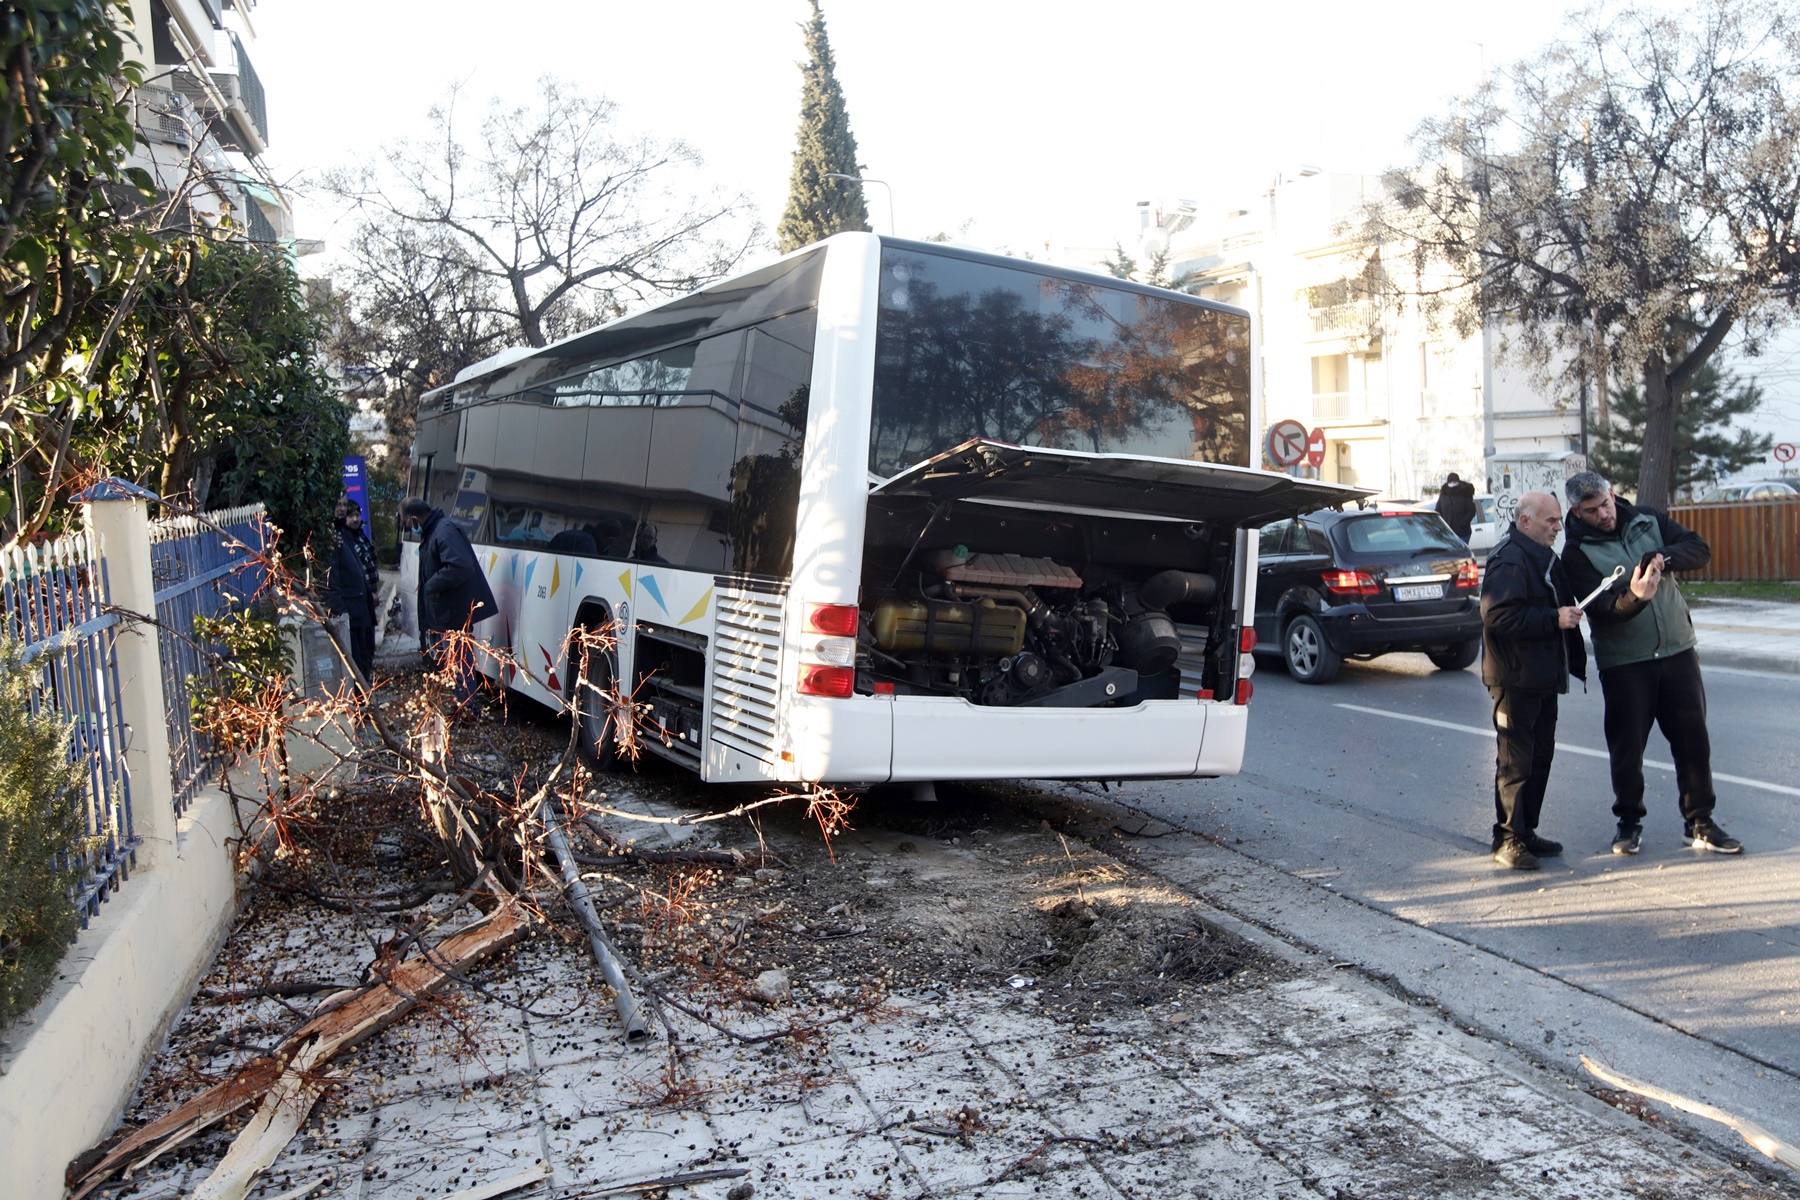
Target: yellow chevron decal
699, 609
555, 577
625, 581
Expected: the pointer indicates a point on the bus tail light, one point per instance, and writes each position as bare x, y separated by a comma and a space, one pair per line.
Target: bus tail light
836, 682
1247, 639
1468, 577
1246, 689
838, 620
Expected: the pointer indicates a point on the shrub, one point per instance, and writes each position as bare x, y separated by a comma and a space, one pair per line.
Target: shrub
41, 833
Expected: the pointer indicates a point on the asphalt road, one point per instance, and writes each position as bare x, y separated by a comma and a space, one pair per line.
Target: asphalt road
1379, 786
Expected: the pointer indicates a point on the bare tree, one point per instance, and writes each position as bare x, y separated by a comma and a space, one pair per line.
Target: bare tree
550, 218
1634, 188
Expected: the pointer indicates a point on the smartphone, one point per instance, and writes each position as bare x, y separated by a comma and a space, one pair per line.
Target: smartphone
1649, 557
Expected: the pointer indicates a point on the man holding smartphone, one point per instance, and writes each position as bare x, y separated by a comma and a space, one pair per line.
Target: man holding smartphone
1644, 647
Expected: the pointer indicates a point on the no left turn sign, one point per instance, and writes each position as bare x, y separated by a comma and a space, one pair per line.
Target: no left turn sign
1287, 442
1784, 452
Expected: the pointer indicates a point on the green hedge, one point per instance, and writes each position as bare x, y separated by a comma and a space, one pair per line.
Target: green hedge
41, 832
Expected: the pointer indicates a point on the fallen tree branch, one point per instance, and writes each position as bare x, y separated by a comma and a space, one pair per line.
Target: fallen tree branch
605, 954
659, 858
1782, 1152
664, 1181
343, 1020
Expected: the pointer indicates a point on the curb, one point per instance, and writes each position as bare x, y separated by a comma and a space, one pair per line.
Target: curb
1745, 660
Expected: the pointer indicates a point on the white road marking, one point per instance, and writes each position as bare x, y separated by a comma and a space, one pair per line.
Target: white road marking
1564, 747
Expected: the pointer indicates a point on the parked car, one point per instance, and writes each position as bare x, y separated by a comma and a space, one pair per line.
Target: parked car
1755, 489
1334, 585
1485, 530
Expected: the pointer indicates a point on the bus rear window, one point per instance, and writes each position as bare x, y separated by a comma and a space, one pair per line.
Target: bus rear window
968, 349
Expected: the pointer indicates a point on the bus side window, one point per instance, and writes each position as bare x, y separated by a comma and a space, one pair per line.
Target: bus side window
765, 479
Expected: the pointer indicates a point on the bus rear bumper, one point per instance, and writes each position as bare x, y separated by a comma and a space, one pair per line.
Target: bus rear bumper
952, 739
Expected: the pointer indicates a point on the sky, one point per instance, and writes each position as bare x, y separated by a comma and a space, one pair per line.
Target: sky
1002, 123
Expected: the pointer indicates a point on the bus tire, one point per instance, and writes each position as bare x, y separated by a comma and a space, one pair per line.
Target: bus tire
596, 711
1310, 658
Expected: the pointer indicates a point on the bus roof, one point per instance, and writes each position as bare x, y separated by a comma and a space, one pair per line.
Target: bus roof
691, 310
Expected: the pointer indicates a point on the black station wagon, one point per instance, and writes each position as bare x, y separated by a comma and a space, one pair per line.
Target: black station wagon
1334, 585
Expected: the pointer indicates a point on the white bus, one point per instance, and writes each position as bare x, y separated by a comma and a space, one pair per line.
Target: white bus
880, 511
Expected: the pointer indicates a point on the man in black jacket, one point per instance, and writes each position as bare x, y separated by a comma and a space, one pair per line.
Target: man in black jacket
453, 590
1456, 504
1532, 643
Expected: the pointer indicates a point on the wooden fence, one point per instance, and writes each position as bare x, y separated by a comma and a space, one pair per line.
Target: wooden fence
1750, 539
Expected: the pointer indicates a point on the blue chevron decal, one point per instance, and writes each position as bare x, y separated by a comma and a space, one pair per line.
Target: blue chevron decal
648, 584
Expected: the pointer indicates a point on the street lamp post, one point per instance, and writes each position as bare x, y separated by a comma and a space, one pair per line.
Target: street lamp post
860, 179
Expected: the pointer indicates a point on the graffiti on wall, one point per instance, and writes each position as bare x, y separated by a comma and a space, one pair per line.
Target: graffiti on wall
1512, 478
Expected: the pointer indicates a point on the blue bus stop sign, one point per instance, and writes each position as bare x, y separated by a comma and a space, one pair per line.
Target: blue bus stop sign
356, 484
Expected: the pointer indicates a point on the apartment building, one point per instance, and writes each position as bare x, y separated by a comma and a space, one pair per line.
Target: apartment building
202, 117
1400, 403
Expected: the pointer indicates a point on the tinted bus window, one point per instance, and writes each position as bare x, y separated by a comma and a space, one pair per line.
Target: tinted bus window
967, 349
765, 479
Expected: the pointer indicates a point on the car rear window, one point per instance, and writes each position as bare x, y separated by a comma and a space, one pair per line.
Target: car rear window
1397, 533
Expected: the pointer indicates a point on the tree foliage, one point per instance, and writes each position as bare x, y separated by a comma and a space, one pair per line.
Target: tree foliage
818, 207
1634, 187
548, 220
63, 245
40, 836
140, 341
1706, 448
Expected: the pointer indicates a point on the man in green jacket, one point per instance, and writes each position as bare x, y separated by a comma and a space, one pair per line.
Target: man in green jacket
1644, 646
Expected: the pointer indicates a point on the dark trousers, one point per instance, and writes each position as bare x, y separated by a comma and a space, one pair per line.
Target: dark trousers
362, 649
1525, 742
1666, 692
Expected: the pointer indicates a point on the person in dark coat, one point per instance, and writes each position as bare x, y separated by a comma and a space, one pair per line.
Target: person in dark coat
348, 589
453, 590
1456, 504
1644, 646
1531, 643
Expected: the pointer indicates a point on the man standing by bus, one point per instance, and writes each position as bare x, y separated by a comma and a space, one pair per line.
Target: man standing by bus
1644, 646
453, 592
1530, 632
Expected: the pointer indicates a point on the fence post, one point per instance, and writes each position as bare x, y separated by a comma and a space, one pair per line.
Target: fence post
118, 515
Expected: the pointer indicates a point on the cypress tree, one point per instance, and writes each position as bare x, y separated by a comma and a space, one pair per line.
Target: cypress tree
818, 207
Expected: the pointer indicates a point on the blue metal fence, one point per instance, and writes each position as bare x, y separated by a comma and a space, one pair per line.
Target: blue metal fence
199, 571
53, 599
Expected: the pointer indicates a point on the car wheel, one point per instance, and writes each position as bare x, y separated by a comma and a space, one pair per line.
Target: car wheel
1310, 658
597, 710
1457, 657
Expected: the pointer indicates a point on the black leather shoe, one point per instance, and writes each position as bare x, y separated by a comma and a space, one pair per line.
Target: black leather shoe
1515, 854
1543, 847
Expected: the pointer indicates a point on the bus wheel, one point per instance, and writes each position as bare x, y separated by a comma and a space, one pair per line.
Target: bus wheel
597, 710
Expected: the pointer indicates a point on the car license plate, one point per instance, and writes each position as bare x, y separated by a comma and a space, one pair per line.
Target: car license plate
1420, 591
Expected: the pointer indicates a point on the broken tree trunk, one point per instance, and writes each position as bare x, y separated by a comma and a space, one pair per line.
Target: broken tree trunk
342, 1022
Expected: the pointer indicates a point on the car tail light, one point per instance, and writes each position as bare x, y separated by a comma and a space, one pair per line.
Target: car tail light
837, 619
836, 682
1351, 583
1246, 689
1247, 639
1467, 576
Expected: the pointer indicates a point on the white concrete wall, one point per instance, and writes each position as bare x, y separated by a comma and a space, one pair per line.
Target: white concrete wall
72, 1063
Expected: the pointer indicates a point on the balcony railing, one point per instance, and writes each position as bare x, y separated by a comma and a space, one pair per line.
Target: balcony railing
1357, 318
1340, 406
243, 91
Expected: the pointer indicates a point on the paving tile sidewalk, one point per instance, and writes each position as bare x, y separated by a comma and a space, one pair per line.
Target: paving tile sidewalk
1751, 635
1317, 1085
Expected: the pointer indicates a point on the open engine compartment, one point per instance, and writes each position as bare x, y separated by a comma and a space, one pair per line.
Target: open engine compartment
1006, 605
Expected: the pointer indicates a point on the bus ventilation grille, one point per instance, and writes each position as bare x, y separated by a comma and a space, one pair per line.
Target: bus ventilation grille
747, 672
